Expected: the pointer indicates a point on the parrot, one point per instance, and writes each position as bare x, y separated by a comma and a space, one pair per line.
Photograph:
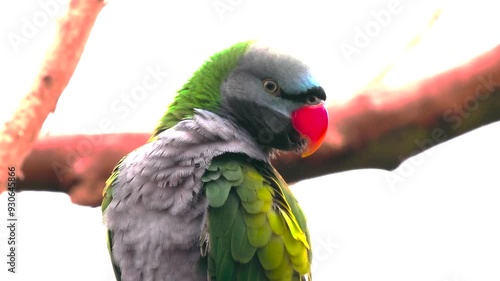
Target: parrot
200, 200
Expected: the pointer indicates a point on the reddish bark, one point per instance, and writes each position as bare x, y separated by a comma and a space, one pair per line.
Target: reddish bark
378, 128
18, 134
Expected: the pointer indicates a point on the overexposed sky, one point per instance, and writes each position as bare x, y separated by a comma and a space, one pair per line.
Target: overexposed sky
441, 222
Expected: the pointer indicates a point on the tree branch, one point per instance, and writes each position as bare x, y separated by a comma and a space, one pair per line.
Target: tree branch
18, 134
377, 128
380, 128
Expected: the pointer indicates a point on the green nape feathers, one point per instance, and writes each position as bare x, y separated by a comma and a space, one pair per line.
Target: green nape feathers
203, 88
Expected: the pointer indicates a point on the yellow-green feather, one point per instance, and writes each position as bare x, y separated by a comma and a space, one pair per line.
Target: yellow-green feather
259, 224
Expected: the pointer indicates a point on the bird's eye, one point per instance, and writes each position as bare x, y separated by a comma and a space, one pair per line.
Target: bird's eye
271, 86
313, 100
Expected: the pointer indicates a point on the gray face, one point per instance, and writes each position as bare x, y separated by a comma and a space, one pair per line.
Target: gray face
262, 92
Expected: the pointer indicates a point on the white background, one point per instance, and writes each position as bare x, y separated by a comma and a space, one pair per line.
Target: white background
440, 222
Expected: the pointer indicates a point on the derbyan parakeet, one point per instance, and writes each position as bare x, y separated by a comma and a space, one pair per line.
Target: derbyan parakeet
200, 200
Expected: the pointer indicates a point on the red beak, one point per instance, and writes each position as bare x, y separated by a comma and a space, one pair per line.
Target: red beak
311, 121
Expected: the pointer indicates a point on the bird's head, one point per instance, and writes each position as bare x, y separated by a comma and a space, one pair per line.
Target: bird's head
270, 94
275, 97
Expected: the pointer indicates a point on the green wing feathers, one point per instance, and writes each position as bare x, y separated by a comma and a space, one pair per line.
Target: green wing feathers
257, 230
